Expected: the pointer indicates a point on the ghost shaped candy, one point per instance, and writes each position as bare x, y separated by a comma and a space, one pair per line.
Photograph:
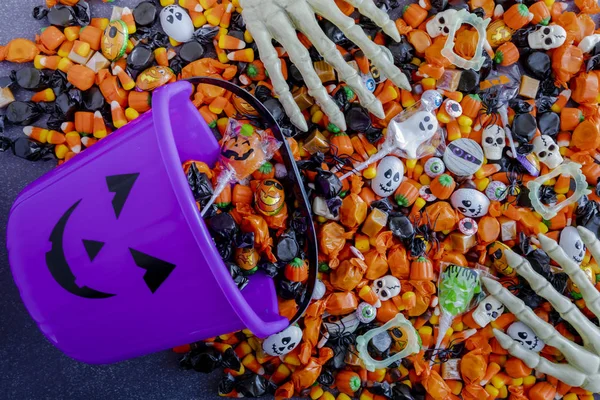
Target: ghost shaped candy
470, 202
283, 342
523, 335
409, 135
493, 141
389, 175
571, 243
487, 311
177, 23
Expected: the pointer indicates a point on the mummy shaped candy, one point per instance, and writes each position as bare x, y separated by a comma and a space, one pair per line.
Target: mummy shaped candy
547, 37
571, 243
493, 141
386, 287
470, 202
463, 157
177, 23
283, 342
487, 311
389, 175
523, 335
438, 25
547, 151
279, 19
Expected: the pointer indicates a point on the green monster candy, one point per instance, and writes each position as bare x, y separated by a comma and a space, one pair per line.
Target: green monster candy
457, 287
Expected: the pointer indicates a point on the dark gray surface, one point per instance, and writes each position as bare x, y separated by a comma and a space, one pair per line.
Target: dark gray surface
30, 367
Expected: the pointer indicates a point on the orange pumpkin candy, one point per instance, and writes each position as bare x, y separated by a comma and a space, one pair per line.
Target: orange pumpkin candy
507, 54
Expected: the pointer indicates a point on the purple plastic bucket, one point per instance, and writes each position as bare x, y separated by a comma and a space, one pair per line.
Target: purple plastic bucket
111, 256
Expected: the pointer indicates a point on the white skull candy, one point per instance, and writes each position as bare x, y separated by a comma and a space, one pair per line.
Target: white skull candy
283, 342
470, 202
547, 37
438, 25
177, 23
493, 141
547, 151
571, 243
525, 337
487, 311
386, 287
389, 175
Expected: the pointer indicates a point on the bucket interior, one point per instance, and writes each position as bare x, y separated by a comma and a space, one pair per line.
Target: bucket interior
183, 135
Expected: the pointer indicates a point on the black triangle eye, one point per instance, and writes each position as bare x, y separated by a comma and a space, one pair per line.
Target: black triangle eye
92, 248
286, 340
157, 270
179, 16
121, 186
170, 19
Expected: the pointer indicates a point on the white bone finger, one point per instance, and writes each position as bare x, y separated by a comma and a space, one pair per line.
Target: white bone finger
587, 289
305, 21
281, 28
572, 352
591, 241
328, 10
273, 65
380, 17
567, 310
564, 372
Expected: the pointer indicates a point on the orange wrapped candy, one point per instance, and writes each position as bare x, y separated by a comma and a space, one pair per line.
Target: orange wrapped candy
423, 291
341, 303
433, 383
19, 51
585, 87
307, 375
566, 62
348, 274
208, 67
398, 262
353, 211
262, 240
465, 43
376, 258
441, 216
473, 366
313, 318
332, 239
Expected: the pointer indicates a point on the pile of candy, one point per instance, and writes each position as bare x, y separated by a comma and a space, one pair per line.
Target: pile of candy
489, 140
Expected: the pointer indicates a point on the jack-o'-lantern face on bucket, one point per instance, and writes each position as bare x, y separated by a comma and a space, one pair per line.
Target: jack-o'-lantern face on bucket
269, 197
157, 270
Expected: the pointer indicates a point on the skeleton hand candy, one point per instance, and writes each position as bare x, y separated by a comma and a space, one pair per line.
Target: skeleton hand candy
277, 19
583, 367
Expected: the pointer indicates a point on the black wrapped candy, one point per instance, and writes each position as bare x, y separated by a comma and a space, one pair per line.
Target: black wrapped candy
357, 119
538, 64
140, 58
191, 51
327, 184
287, 246
145, 13
31, 78
237, 275
23, 112
549, 123
524, 127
